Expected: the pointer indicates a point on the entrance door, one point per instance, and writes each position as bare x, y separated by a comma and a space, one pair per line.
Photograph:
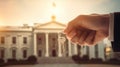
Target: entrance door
39, 53
54, 54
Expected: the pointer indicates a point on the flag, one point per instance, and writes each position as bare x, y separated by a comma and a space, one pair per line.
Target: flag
53, 4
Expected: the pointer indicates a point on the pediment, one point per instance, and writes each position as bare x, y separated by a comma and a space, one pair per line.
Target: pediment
52, 25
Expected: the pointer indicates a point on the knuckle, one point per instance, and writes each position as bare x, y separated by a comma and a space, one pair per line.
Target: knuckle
81, 16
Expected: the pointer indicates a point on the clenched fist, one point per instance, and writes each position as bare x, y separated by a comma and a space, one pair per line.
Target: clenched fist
88, 29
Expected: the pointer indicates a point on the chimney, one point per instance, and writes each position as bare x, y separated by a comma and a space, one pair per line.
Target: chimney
25, 25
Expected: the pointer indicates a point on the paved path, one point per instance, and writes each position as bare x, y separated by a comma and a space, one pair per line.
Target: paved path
65, 65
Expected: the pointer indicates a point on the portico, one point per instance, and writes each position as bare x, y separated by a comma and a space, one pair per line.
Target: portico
47, 40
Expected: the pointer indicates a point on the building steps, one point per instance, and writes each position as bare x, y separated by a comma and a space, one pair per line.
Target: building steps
52, 60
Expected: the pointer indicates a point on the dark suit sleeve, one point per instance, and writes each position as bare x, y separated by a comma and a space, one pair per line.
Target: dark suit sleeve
116, 43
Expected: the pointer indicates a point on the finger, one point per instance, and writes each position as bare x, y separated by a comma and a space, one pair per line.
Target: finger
98, 37
71, 34
75, 39
83, 37
90, 38
68, 28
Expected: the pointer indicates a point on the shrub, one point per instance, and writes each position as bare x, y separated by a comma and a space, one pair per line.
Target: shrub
21, 61
1, 61
12, 61
76, 58
85, 57
32, 59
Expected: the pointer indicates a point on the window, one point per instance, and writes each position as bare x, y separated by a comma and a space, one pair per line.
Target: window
53, 42
2, 53
2, 40
25, 40
39, 40
24, 53
14, 40
13, 53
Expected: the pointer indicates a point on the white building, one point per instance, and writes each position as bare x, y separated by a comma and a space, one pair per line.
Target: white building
42, 40
16, 42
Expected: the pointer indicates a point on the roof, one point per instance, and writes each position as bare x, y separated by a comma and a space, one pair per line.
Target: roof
15, 28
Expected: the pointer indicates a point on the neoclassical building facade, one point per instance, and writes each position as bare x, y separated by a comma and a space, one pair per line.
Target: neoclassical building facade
42, 40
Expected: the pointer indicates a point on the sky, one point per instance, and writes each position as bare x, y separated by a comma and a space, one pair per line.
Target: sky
19, 12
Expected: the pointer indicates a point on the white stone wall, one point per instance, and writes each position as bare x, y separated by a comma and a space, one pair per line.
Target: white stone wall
8, 45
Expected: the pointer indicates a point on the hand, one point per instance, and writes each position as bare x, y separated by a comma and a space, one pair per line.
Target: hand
88, 29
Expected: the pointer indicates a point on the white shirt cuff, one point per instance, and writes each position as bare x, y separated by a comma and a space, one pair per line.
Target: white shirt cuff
111, 27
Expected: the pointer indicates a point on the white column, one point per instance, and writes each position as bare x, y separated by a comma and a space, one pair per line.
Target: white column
75, 49
59, 46
35, 45
47, 46
69, 48
101, 52
92, 52
81, 51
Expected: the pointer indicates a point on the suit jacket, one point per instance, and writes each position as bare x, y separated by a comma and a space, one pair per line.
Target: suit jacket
116, 43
